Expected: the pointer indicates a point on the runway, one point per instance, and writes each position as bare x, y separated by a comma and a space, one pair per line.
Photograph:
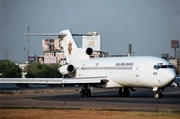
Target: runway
67, 97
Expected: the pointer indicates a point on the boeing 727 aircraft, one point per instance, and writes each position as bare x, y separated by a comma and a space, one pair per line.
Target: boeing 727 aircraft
115, 72
124, 73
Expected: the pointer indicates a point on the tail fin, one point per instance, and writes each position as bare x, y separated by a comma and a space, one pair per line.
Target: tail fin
72, 52
69, 45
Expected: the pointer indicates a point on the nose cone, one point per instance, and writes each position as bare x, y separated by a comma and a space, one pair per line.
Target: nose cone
170, 76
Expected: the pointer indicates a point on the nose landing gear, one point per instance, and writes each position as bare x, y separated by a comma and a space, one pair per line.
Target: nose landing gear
158, 95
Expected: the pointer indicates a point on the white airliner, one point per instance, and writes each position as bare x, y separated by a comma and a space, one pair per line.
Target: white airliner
124, 73
115, 72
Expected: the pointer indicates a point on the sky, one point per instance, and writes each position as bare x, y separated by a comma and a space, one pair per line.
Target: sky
149, 25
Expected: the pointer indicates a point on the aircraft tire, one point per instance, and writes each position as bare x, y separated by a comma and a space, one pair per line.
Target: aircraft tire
121, 94
88, 93
161, 95
126, 92
82, 93
158, 95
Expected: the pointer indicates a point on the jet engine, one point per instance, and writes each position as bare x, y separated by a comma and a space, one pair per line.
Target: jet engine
89, 51
81, 54
67, 69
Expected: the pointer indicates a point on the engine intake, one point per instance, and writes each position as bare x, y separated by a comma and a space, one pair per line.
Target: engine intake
89, 51
66, 69
70, 68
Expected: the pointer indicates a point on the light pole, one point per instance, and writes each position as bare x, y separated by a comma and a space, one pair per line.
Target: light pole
28, 28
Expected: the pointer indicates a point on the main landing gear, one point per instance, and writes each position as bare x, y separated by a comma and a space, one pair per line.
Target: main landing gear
124, 92
86, 91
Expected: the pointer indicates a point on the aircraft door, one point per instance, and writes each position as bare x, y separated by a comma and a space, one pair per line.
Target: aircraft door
137, 69
137, 74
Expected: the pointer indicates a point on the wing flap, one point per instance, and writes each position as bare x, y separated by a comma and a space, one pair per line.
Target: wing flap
85, 80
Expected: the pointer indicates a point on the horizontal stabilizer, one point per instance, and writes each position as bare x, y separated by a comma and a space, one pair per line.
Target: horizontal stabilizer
56, 34
47, 34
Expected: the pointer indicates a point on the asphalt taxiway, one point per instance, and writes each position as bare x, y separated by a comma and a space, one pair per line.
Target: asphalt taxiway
68, 97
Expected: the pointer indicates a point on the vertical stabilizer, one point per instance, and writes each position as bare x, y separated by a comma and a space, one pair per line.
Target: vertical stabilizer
72, 52
69, 45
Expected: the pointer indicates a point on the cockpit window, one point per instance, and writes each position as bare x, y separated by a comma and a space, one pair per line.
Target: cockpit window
170, 66
156, 67
162, 66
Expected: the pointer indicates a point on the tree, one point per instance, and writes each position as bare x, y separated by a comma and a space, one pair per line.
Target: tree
53, 72
38, 70
9, 69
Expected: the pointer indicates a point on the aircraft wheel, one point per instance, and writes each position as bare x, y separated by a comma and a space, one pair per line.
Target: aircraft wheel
126, 92
121, 94
85, 92
88, 94
161, 95
158, 95
82, 93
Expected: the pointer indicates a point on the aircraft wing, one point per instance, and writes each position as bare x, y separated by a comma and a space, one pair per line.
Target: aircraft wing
32, 80
84, 80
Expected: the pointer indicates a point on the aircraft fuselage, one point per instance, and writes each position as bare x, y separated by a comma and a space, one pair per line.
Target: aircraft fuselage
139, 71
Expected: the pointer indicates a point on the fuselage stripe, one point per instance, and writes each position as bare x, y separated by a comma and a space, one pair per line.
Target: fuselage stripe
105, 68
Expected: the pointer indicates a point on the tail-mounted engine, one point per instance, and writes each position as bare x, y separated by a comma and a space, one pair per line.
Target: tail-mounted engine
89, 51
67, 69
81, 54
